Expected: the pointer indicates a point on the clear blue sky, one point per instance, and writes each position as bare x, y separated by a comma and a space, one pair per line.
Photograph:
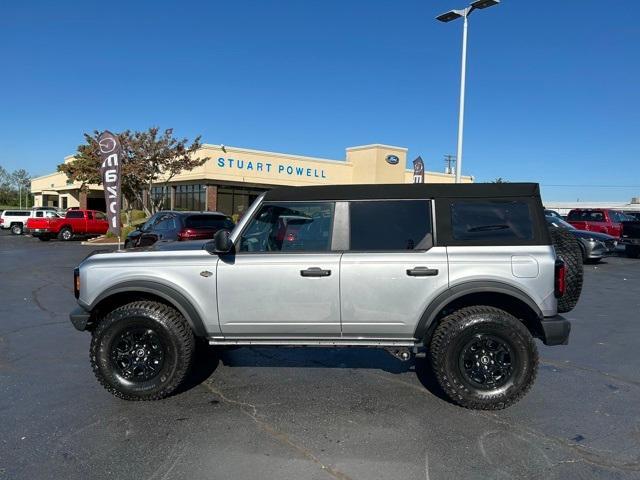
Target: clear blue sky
553, 86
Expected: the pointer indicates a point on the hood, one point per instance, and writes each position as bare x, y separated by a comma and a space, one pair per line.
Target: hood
603, 237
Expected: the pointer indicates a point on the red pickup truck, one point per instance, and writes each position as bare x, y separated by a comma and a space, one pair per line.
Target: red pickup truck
78, 223
598, 220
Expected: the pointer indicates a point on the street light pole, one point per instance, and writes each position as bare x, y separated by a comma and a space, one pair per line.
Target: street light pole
447, 17
463, 78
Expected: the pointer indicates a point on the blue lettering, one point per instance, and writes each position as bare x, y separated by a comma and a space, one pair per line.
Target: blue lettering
299, 171
249, 165
268, 167
230, 160
308, 172
259, 166
289, 170
221, 162
280, 168
240, 163
322, 171
315, 173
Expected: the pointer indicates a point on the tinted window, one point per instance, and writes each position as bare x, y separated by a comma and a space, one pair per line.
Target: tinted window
75, 214
498, 220
290, 227
585, 216
166, 223
390, 225
16, 213
208, 221
100, 216
39, 214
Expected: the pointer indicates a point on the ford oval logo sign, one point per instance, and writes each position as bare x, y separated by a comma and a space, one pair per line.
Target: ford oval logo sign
392, 159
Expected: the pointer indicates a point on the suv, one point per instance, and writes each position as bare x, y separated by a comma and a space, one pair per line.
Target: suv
169, 225
466, 272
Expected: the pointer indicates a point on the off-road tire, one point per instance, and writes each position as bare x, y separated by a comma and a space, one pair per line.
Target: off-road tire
65, 234
569, 251
448, 343
170, 327
17, 229
632, 251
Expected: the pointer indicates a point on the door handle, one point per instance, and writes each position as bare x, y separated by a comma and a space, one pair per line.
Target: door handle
315, 272
422, 272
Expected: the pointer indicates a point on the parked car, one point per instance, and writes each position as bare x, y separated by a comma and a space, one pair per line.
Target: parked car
169, 225
601, 220
14, 220
467, 272
632, 213
594, 245
76, 223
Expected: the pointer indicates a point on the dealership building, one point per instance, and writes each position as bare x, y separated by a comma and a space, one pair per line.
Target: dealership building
233, 177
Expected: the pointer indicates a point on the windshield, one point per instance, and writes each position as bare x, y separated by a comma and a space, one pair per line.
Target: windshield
558, 222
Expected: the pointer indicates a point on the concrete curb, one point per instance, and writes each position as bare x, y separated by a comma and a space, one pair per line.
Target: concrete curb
114, 244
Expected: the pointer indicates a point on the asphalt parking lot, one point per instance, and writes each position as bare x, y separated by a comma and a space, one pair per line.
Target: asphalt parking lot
264, 413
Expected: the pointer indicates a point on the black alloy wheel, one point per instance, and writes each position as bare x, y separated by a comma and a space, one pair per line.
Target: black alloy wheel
137, 354
486, 362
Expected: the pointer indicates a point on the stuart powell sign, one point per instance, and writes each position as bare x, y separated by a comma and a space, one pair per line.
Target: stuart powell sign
110, 171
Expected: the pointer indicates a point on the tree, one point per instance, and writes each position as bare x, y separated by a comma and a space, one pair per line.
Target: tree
22, 181
148, 159
500, 180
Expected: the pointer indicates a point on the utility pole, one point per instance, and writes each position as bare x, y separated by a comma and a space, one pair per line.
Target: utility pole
448, 160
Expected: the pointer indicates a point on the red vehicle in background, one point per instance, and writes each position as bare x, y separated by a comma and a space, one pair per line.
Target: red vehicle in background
76, 223
598, 220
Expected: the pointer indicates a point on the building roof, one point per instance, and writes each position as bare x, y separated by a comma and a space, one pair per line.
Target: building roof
403, 191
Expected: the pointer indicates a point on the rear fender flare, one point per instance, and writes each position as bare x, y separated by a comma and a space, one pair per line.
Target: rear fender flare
467, 288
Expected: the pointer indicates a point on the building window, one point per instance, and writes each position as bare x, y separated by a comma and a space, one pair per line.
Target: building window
190, 197
235, 201
63, 202
161, 197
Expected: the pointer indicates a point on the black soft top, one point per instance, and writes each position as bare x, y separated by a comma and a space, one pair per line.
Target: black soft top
401, 191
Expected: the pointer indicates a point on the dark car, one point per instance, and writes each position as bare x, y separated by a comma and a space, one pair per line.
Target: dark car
594, 245
169, 225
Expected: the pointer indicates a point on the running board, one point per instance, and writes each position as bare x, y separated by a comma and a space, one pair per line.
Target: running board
303, 342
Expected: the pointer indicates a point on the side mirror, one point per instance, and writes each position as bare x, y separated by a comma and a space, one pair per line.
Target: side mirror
221, 242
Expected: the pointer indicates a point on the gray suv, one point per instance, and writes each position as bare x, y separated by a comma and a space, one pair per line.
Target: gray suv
466, 273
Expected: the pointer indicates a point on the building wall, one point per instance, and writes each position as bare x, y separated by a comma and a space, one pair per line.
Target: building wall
253, 168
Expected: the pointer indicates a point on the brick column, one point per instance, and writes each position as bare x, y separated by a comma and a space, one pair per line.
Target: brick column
212, 198
83, 199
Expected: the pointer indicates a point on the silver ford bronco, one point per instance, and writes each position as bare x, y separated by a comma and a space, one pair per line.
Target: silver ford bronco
466, 273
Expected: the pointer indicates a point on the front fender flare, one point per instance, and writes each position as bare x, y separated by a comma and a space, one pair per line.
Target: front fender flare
167, 293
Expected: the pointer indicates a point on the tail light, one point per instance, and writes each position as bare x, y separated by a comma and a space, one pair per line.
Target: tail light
187, 234
76, 282
560, 277
1, 221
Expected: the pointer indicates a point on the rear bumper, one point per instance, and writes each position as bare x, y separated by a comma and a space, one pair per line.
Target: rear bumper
556, 330
80, 318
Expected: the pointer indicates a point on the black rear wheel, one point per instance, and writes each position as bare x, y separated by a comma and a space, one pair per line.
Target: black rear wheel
483, 358
142, 351
568, 249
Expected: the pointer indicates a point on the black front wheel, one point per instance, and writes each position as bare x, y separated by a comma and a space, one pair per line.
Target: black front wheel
65, 234
142, 351
483, 358
17, 229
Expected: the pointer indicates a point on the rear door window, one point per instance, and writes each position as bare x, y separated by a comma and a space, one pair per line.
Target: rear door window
390, 225
491, 220
207, 221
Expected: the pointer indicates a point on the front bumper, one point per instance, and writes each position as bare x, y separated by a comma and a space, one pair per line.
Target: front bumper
80, 318
556, 330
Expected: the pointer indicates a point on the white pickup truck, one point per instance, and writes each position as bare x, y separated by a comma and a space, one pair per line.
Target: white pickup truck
16, 220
